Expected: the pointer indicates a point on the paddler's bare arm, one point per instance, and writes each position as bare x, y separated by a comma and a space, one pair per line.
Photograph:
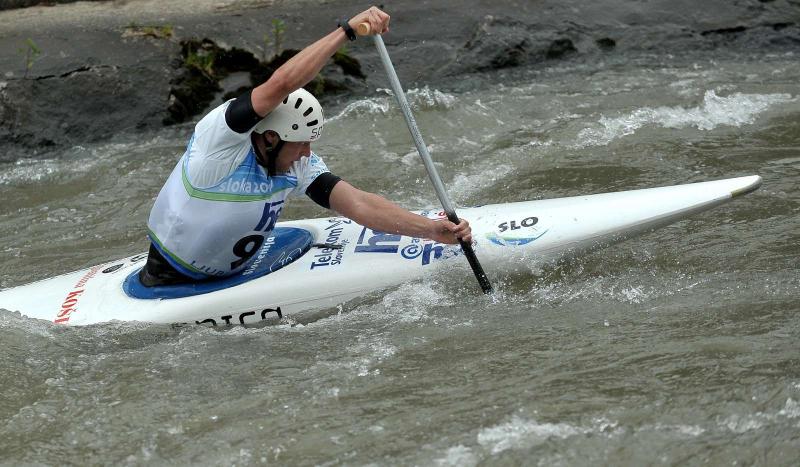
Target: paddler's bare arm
304, 66
380, 214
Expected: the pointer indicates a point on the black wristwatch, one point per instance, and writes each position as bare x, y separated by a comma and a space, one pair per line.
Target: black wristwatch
347, 29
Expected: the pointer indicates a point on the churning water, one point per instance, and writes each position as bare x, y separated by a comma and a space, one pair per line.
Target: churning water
679, 347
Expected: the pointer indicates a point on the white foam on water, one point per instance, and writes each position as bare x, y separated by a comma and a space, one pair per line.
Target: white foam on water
690, 431
520, 433
412, 158
15, 321
684, 87
362, 107
633, 294
357, 360
31, 170
408, 303
370, 353
430, 99
411, 302
419, 99
460, 456
742, 424
638, 286
77, 160
735, 110
464, 186
791, 409
750, 422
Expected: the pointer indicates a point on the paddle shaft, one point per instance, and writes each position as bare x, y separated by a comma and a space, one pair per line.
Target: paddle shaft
426, 159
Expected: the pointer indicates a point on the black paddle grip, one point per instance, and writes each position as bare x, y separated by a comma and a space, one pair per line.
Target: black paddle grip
477, 269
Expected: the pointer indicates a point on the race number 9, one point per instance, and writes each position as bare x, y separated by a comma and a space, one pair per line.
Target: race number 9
245, 249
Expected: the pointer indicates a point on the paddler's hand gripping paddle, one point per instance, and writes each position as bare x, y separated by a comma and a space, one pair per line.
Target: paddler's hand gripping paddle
362, 30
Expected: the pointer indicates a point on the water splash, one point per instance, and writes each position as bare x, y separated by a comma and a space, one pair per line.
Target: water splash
735, 110
420, 100
464, 186
458, 456
31, 170
521, 433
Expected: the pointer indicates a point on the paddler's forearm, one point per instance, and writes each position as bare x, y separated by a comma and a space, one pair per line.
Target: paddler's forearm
382, 215
378, 213
297, 72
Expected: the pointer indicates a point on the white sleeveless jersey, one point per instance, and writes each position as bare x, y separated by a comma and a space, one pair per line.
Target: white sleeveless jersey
217, 231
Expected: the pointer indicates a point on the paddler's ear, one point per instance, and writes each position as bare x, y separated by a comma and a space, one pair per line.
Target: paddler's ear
271, 138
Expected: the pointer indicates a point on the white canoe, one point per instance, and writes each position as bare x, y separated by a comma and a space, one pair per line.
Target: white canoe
306, 278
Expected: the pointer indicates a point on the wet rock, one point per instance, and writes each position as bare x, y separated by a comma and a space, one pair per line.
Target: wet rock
783, 34
201, 66
606, 43
724, 31
204, 68
560, 48
100, 75
88, 104
503, 42
11, 4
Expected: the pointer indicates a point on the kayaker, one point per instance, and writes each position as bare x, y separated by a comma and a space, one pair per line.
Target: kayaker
245, 158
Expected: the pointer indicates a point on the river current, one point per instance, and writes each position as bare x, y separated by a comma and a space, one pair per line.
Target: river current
679, 347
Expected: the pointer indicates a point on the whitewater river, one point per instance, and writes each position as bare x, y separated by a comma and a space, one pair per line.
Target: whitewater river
680, 347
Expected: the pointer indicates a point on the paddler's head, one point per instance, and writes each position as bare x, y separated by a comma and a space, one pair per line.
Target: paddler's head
290, 129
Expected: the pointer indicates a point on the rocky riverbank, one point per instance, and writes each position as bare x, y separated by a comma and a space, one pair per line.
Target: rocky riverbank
86, 71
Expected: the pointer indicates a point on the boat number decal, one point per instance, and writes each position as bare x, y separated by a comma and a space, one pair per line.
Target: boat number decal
379, 242
70, 303
245, 248
512, 225
226, 320
331, 256
248, 246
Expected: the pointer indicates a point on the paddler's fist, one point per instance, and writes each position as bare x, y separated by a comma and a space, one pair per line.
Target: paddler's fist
444, 231
378, 21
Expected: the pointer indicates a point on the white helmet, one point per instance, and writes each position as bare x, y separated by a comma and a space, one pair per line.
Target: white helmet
298, 118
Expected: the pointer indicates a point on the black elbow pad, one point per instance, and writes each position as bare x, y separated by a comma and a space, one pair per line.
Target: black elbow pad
320, 189
240, 115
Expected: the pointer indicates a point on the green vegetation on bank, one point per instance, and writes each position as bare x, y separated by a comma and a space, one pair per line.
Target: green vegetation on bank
202, 60
206, 65
31, 53
165, 31
278, 29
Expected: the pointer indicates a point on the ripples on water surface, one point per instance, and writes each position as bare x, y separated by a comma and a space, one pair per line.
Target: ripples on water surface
678, 347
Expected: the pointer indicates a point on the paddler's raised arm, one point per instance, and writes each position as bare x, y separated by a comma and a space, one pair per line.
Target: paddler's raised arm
378, 213
304, 66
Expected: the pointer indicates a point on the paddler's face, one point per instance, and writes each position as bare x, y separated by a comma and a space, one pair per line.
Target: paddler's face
290, 153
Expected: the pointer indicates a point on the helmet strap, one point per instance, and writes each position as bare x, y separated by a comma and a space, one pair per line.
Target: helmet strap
271, 156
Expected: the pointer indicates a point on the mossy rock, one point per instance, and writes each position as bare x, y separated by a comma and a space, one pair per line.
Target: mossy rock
204, 64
